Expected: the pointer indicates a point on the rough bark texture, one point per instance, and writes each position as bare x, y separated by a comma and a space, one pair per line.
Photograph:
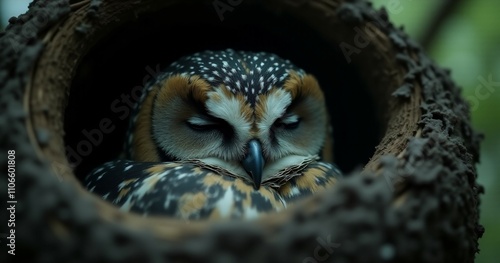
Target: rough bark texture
417, 199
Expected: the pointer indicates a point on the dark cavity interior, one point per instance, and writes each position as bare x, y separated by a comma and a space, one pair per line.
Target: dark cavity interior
101, 95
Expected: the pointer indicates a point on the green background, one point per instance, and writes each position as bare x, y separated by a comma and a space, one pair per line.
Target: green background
468, 43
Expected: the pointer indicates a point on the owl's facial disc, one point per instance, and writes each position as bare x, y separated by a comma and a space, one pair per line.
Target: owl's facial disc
285, 126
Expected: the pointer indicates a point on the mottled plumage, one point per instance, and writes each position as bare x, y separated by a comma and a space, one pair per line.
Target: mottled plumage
222, 134
188, 191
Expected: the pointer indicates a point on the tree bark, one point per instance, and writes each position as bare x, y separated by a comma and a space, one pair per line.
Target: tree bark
416, 199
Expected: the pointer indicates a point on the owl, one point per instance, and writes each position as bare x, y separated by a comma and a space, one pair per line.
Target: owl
222, 134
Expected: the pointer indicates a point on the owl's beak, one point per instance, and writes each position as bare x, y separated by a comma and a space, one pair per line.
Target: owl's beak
253, 163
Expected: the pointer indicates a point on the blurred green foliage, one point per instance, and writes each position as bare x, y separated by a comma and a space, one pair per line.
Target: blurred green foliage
468, 43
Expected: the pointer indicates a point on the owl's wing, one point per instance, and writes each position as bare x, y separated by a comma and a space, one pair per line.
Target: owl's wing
315, 177
190, 191
180, 190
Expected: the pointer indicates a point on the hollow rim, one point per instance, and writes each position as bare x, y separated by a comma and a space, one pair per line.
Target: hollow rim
65, 47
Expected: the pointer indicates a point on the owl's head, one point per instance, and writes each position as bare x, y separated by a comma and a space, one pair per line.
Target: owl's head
253, 114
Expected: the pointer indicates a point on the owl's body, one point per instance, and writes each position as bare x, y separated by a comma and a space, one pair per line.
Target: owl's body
222, 134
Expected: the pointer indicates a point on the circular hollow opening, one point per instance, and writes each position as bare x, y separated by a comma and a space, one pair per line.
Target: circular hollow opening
101, 71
